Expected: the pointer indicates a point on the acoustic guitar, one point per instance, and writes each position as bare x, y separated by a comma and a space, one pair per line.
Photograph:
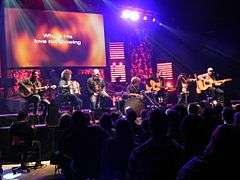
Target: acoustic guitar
203, 85
28, 90
154, 86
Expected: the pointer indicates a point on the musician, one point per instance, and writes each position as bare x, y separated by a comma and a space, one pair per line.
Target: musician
212, 91
65, 89
97, 89
133, 88
36, 95
182, 88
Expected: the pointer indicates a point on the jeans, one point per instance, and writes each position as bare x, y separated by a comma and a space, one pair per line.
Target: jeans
97, 100
37, 100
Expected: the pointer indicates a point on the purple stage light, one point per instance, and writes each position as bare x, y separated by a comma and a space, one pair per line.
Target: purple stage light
153, 20
130, 14
126, 14
145, 18
134, 15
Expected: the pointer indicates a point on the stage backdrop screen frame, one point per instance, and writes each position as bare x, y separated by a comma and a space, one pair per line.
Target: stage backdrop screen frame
43, 38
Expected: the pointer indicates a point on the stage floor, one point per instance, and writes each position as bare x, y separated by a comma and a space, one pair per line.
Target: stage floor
46, 172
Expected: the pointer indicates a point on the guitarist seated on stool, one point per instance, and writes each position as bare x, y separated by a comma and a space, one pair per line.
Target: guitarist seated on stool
209, 81
133, 88
97, 89
31, 89
66, 89
156, 85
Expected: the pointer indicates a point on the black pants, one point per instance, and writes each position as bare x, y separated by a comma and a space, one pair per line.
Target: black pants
183, 98
74, 99
215, 93
36, 99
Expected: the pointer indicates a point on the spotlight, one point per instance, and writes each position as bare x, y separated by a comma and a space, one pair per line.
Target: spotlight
134, 15
145, 18
129, 14
169, 84
160, 24
154, 19
214, 102
126, 14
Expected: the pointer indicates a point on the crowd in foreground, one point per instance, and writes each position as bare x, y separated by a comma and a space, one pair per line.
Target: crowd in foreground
199, 141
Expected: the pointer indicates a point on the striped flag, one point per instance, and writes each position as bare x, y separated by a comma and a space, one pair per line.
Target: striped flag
166, 69
117, 60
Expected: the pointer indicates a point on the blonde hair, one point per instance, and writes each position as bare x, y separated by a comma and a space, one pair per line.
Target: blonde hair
135, 80
65, 72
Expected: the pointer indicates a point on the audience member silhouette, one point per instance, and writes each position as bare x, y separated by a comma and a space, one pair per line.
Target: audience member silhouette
174, 124
220, 160
193, 132
236, 121
116, 152
227, 115
106, 123
159, 157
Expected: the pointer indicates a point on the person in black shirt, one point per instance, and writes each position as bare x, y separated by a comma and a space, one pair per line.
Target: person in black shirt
97, 90
67, 89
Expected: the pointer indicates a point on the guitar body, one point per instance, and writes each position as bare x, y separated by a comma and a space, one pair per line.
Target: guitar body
25, 91
203, 85
154, 86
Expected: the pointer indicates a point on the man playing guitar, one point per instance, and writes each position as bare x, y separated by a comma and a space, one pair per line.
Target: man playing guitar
208, 83
156, 86
133, 88
31, 89
97, 89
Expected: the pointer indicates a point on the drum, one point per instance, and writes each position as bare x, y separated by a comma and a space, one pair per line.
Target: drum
135, 103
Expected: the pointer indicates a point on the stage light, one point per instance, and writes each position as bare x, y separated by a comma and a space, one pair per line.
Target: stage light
160, 24
129, 14
126, 14
145, 18
134, 16
169, 84
154, 19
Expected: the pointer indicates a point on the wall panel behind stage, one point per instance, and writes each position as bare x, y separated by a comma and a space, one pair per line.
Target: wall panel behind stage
36, 38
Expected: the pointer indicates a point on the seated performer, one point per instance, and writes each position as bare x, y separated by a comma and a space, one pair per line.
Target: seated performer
182, 88
208, 84
133, 88
67, 89
97, 89
31, 89
156, 85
